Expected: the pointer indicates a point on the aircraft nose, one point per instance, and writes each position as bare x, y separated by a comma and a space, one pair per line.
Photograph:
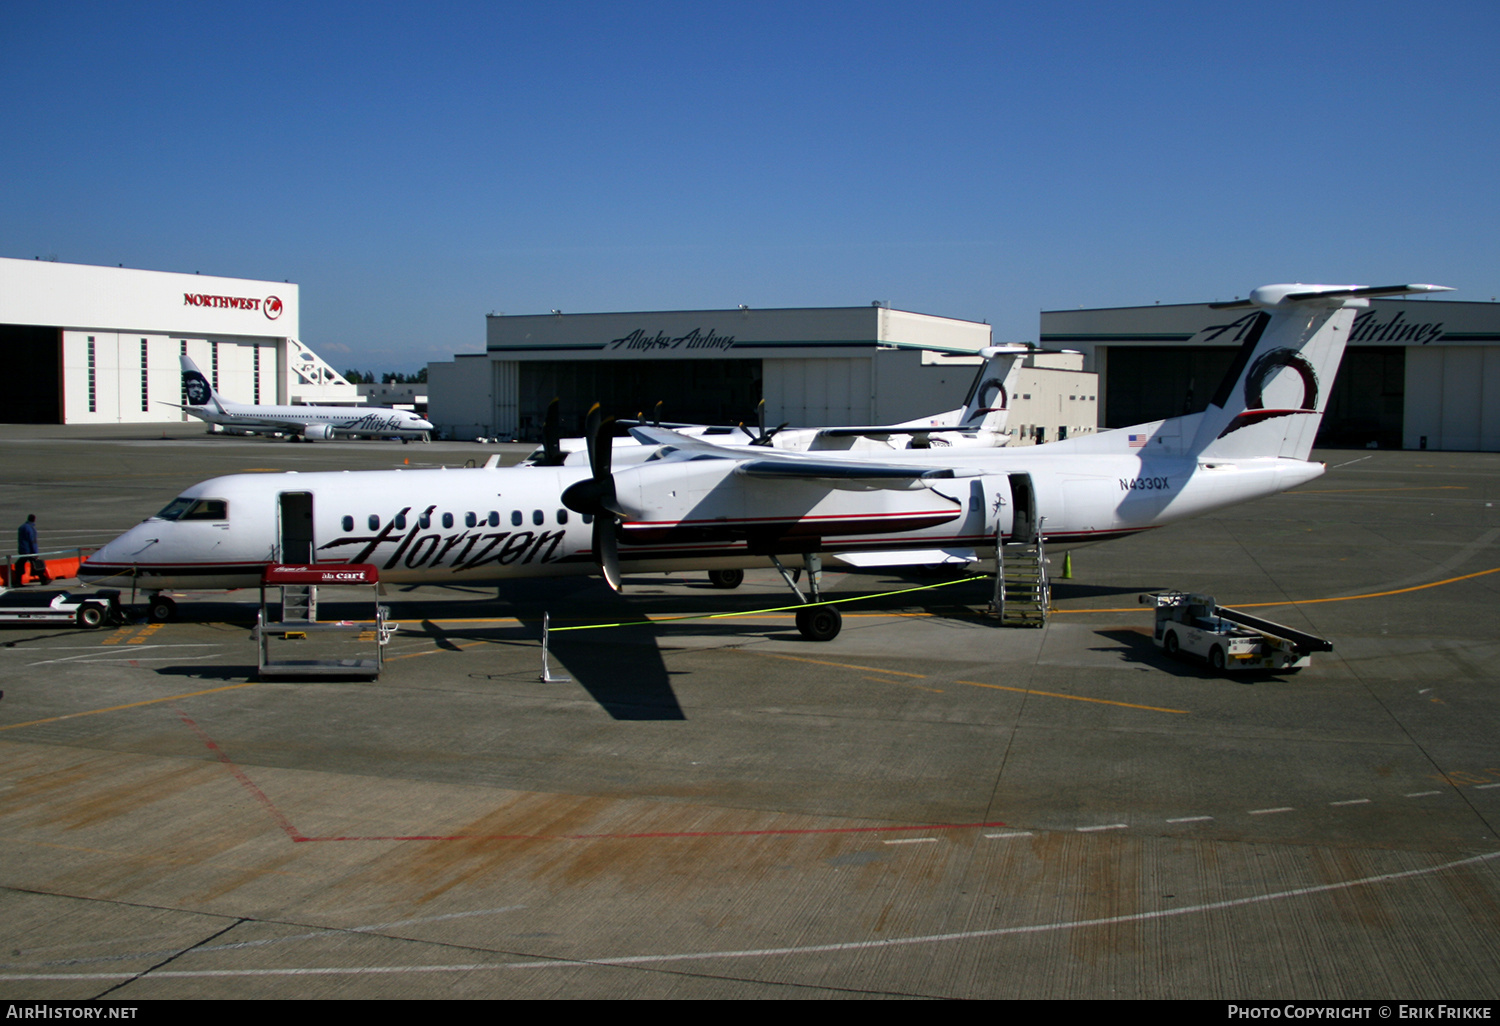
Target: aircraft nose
113, 559
91, 571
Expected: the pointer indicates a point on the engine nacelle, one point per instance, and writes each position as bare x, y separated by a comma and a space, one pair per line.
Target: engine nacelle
317, 432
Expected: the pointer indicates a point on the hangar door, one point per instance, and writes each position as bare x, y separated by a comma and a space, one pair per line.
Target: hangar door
694, 391
34, 356
1365, 403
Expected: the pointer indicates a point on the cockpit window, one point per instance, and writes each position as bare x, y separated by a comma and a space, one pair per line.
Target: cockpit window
187, 508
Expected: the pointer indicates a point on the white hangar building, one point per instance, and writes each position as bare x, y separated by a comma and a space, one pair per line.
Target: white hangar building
1418, 373
100, 345
813, 367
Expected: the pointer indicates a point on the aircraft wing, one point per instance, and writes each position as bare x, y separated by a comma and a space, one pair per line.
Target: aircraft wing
762, 462
885, 431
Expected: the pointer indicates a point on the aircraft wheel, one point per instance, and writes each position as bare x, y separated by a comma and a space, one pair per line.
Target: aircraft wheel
162, 610
726, 579
1216, 658
1170, 644
820, 623
90, 615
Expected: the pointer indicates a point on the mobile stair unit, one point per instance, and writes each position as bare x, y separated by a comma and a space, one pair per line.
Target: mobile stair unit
298, 644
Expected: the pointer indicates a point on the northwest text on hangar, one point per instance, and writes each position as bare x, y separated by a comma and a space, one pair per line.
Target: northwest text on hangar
639, 341
271, 306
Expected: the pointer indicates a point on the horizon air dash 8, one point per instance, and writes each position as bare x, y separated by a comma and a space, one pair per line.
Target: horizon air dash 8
692, 505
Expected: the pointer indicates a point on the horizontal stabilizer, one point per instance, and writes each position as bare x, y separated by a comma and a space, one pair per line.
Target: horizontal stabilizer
1280, 295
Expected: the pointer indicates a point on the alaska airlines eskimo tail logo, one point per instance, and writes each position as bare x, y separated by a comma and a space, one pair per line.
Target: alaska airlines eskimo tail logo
195, 387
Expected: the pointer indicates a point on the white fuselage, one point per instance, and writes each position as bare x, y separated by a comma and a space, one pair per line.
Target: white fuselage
336, 420
451, 525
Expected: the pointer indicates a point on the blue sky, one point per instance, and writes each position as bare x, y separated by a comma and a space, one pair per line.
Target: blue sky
416, 166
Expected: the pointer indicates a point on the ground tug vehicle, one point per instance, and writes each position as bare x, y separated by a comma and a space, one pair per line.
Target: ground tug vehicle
1229, 639
60, 608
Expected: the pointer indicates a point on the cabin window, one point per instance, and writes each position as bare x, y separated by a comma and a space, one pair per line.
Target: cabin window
374, 522
348, 524
424, 521
471, 519
188, 508
447, 519
562, 516
588, 518
494, 518
538, 517
515, 518
400, 521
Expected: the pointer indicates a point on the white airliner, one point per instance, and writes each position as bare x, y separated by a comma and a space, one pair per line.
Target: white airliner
694, 505
979, 422
298, 422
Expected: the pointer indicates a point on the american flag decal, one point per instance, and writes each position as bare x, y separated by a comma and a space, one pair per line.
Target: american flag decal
1136, 441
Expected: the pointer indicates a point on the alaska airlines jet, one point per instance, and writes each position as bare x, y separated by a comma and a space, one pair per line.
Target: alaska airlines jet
299, 422
694, 505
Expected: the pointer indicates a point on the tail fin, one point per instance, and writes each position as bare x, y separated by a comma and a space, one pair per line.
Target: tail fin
1273, 397
991, 392
197, 389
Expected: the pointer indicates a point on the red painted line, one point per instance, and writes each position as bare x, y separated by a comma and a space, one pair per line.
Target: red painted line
656, 834
248, 784
299, 838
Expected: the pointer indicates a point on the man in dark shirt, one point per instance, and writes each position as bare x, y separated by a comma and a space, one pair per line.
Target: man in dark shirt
26, 545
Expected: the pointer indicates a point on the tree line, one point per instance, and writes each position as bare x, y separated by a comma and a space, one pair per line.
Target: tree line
355, 377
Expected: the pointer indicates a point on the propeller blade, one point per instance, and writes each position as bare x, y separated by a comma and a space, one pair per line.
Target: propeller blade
607, 551
590, 430
596, 497
552, 437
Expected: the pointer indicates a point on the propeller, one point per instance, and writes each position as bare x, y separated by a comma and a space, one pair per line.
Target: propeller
764, 437
595, 496
552, 454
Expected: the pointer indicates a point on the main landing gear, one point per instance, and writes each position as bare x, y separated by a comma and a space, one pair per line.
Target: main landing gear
726, 579
816, 622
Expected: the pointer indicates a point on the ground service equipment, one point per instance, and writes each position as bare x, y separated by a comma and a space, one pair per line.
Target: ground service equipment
1227, 638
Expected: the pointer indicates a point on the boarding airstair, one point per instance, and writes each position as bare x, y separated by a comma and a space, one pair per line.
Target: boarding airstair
1021, 586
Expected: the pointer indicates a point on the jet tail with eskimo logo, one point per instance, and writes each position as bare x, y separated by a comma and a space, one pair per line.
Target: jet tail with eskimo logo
197, 390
